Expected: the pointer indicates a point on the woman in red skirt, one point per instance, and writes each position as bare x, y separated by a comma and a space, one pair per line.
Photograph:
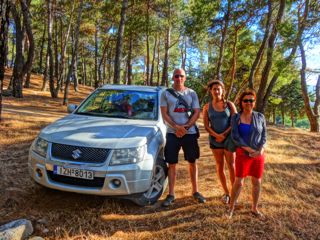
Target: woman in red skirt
248, 131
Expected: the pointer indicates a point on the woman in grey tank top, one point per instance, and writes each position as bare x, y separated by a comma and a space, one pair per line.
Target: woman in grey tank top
217, 118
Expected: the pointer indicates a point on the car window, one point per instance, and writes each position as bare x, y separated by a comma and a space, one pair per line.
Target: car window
121, 104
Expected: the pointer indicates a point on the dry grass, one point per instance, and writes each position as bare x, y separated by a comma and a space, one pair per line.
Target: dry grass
290, 198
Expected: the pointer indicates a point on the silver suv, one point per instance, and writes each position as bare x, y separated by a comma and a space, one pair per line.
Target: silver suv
111, 145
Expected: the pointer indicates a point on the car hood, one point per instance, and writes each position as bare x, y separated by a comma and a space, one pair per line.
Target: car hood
99, 132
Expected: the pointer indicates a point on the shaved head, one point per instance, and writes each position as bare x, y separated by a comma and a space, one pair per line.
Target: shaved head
178, 71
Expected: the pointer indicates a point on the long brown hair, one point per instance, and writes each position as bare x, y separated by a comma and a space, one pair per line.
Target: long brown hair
216, 82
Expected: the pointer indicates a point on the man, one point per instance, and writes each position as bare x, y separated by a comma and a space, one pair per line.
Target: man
181, 132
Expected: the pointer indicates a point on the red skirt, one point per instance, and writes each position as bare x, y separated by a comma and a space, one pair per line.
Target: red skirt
248, 166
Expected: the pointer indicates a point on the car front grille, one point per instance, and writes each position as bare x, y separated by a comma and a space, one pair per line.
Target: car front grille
79, 154
95, 182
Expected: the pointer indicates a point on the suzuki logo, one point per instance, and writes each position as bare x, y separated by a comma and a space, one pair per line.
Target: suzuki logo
76, 154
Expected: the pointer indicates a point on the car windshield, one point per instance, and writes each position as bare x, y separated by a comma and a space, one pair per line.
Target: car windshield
121, 104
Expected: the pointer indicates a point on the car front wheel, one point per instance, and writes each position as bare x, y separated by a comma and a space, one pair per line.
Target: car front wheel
157, 186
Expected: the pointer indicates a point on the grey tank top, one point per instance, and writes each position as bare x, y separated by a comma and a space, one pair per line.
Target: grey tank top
219, 121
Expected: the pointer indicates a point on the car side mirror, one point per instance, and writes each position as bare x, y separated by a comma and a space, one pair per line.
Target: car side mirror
71, 108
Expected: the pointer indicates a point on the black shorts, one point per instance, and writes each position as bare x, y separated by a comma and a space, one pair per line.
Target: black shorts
214, 144
189, 144
214, 147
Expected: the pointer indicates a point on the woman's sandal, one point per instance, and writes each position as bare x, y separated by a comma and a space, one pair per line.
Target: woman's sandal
229, 214
257, 214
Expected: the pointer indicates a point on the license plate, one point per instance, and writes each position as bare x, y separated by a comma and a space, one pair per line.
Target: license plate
73, 172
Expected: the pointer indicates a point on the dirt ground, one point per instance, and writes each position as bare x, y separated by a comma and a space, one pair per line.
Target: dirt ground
290, 197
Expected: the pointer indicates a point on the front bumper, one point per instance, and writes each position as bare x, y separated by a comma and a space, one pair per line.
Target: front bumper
134, 178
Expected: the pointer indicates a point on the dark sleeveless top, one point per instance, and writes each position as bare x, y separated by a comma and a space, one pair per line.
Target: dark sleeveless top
219, 122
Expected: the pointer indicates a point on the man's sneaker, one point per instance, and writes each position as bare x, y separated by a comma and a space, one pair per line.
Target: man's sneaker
168, 201
197, 196
225, 199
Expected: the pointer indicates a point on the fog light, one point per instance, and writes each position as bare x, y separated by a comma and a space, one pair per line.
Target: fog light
115, 183
39, 172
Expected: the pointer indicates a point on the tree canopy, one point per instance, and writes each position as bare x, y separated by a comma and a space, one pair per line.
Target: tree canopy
243, 43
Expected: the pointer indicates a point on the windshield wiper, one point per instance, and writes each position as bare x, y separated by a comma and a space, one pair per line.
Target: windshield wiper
87, 113
118, 116
96, 114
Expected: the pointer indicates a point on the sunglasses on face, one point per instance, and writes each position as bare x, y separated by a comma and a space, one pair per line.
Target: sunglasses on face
177, 76
248, 100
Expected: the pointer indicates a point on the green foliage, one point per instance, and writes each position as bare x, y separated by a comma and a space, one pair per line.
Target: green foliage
200, 18
292, 99
298, 123
196, 28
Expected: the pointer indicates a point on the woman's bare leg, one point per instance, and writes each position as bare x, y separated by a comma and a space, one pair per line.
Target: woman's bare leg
236, 189
219, 157
256, 189
230, 159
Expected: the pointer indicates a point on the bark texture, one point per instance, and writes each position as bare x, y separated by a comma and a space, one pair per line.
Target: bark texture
117, 60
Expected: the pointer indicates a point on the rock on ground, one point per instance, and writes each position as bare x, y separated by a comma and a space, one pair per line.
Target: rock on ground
16, 230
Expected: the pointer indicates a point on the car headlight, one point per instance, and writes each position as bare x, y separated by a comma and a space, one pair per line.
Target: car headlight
40, 146
128, 155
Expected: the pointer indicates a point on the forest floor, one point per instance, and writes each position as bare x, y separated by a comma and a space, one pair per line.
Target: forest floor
290, 196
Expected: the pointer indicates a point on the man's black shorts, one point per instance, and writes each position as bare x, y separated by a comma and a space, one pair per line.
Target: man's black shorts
189, 144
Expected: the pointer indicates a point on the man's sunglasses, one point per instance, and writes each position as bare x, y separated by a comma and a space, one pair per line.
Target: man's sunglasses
177, 76
248, 100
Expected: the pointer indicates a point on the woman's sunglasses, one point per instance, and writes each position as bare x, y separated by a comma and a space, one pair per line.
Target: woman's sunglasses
248, 100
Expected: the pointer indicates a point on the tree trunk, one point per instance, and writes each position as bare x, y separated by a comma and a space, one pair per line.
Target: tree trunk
158, 62
17, 76
4, 28
84, 75
164, 80
317, 101
262, 46
50, 54
292, 119
12, 51
242, 87
129, 61
6, 60
283, 115
55, 45
64, 45
75, 71
301, 27
222, 40
27, 82
96, 48
42, 47
234, 63
45, 74
27, 23
102, 62
90, 73
110, 66
153, 59
148, 45
117, 60
274, 115
267, 67
104, 75
73, 59
184, 53
313, 118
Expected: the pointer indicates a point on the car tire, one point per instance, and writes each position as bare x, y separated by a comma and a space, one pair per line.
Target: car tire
158, 185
